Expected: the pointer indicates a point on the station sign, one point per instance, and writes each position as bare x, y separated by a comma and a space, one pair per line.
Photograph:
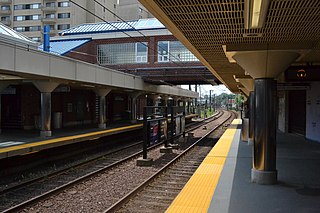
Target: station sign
300, 74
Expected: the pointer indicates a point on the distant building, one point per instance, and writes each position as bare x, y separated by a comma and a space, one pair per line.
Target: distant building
141, 47
29, 16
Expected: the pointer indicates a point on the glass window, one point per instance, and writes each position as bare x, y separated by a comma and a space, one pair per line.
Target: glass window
141, 52
174, 51
5, 7
35, 17
63, 15
52, 27
125, 53
64, 4
18, 18
5, 18
23, 18
35, 6
50, 4
35, 28
163, 51
27, 6
18, 7
63, 26
50, 15
19, 29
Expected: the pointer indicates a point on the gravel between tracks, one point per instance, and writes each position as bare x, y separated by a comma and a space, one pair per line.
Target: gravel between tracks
100, 192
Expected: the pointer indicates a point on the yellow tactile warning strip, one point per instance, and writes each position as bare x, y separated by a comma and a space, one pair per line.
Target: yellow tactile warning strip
36, 146
198, 191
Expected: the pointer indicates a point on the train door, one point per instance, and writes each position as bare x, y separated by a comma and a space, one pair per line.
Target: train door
297, 112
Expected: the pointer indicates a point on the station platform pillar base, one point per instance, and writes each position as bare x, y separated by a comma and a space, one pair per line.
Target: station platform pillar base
45, 133
250, 141
264, 177
102, 126
144, 162
166, 149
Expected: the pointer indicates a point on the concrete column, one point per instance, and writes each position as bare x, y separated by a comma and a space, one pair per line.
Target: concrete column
166, 99
264, 151
134, 97
45, 87
102, 112
264, 66
102, 93
184, 104
133, 110
155, 99
45, 114
251, 118
2, 87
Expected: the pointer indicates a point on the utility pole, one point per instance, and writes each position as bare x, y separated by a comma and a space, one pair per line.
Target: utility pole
214, 102
210, 101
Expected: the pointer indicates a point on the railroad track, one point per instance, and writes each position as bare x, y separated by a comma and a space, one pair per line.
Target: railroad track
22, 195
158, 192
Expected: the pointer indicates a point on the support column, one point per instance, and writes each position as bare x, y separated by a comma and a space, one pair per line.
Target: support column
251, 118
102, 93
166, 99
134, 97
46, 88
45, 114
184, 104
264, 151
264, 66
2, 87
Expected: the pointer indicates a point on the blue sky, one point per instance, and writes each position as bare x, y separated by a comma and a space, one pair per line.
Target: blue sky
205, 89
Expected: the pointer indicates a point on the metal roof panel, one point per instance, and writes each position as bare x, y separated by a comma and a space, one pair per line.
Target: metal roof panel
63, 47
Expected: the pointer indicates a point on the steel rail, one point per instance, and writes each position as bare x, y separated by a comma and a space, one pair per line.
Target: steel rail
127, 197
89, 175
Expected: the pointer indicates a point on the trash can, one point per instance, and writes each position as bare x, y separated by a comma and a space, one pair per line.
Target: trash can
57, 120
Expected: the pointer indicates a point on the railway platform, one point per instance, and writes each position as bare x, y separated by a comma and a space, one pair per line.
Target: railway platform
20, 142
222, 182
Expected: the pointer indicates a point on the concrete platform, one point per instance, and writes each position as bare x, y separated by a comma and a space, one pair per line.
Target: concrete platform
19, 142
298, 188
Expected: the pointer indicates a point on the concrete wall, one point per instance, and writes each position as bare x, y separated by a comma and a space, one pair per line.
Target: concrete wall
313, 112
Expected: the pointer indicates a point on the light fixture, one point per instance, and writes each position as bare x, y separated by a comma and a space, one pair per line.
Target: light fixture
255, 13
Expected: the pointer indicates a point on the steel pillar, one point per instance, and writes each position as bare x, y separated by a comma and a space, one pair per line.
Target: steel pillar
264, 149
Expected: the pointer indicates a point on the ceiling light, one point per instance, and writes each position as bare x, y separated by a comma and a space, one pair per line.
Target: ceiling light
255, 13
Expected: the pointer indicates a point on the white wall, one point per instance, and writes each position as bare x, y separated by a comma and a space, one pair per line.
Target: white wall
313, 112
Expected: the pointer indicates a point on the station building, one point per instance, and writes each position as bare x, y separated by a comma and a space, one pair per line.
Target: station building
40, 90
141, 47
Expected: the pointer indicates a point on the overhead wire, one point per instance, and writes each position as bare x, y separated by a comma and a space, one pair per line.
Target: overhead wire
121, 30
127, 34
